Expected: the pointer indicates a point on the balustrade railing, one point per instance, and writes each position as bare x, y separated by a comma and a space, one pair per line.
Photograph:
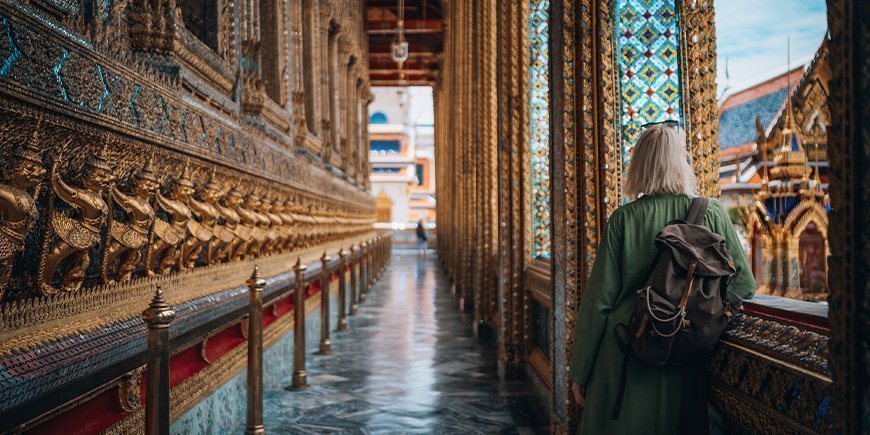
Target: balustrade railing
255, 354
157, 316
325, 342
358, 268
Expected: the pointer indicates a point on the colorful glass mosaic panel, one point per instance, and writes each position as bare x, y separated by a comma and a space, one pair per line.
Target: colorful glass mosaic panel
648, 57
539, 99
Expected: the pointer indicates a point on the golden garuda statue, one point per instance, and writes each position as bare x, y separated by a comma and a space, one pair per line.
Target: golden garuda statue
76, 228
163, 254
127, 238
18, 209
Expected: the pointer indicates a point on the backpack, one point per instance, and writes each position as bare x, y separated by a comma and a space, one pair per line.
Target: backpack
682, 308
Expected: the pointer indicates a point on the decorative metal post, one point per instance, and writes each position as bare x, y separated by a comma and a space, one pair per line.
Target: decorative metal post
370, 269
363, 250
325, 343
354, 278
255, 354
376, 259
342, 289
382, 255
158, 316
300, 377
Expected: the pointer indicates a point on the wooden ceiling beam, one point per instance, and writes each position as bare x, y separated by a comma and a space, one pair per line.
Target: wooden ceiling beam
424, 31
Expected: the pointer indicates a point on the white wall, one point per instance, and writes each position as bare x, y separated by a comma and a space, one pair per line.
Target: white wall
410, 111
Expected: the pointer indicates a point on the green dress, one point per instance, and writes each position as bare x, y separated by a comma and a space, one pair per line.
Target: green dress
658, 400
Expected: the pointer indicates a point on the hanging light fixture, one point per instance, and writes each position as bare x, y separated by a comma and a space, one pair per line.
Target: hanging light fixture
399, 48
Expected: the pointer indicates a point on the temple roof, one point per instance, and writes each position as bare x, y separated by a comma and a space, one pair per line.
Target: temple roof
738, 110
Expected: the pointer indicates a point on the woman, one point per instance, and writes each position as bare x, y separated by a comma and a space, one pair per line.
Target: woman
658, 400
421, 237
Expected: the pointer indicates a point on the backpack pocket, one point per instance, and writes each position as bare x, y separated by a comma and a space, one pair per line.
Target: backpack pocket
654, 327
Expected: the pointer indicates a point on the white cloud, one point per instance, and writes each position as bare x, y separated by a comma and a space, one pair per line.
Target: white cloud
753, 35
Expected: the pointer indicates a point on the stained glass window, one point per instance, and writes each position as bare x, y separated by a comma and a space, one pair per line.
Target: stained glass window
539, 99
648, 57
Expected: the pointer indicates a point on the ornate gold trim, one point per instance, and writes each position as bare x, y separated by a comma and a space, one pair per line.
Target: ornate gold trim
29, 323
542, 366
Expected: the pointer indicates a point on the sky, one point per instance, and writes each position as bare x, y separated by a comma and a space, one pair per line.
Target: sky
753, 36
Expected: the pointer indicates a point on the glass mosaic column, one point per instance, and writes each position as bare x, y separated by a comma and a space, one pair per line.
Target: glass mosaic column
647, 38
539, 140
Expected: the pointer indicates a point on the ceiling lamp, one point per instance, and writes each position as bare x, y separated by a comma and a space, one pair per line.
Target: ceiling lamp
399, 48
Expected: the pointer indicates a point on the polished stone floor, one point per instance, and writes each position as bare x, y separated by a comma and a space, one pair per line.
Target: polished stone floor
407, 365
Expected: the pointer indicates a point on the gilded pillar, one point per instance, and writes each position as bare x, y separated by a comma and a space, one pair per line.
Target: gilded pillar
255, 354
342, 289
370, 265
363, 267
300, 377
157, 316
354, 278
325, 342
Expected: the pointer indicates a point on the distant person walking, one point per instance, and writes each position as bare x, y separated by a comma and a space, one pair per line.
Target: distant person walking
421, 237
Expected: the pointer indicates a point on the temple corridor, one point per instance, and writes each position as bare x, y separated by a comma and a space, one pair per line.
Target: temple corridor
207, 210
407, 364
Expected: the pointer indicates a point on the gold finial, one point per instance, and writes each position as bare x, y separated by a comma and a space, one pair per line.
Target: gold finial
158, 314
255, 282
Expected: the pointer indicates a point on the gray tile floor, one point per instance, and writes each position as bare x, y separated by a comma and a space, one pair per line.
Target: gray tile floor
407, 365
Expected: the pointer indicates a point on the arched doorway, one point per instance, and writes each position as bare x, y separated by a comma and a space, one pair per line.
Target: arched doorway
813, 260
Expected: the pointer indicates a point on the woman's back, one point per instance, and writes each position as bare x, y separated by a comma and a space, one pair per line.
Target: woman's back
641, 221
657, 400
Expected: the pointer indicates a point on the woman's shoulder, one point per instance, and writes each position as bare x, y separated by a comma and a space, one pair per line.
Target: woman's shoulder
651, 202
716, 212
716, 208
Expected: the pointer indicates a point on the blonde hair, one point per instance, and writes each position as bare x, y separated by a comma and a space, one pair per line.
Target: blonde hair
660, 164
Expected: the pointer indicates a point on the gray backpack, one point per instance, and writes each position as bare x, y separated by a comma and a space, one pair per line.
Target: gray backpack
683, 307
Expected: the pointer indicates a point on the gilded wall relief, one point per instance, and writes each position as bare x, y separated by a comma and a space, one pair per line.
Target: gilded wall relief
128, 236
115, 171
772, 377
24, 170
76, 212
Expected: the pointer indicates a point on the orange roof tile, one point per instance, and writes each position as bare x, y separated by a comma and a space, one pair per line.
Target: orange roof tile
766, 87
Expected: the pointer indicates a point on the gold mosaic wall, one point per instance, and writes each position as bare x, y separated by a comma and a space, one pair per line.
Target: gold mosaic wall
144, 144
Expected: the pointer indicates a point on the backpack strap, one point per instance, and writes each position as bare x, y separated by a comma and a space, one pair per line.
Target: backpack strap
620, 395
697, 211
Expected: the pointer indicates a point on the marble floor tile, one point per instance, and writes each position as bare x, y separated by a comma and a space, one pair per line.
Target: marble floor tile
408, 364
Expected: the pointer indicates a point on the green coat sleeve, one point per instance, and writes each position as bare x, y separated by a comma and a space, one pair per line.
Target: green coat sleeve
743, 285
602, 291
